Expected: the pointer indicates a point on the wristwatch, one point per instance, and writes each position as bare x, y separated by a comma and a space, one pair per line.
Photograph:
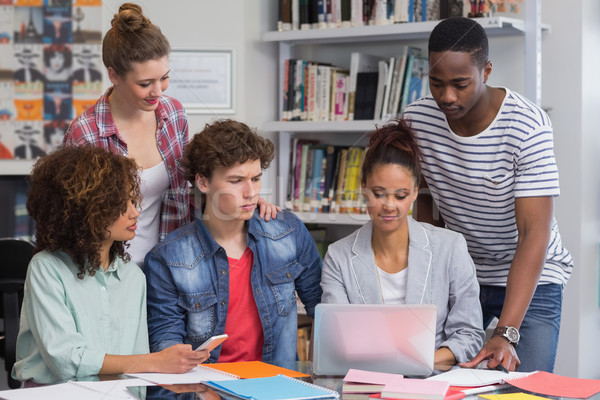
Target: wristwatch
509, 332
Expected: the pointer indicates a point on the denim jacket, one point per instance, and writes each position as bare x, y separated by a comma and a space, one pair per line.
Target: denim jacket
188, 284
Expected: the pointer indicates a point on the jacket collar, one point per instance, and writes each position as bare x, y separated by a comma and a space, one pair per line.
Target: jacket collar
419, 263
209, 244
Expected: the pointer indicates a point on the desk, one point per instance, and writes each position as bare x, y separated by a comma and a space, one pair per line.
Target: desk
203, 392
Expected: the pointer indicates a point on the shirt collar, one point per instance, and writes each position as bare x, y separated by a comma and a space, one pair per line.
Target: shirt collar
104, 119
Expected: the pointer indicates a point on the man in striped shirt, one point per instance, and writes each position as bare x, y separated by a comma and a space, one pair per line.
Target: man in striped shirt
488, 160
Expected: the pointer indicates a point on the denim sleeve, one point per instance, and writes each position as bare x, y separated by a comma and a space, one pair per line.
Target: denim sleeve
166, 319
463, 327
308, 283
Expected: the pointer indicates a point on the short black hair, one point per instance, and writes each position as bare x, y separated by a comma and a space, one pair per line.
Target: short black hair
462, 35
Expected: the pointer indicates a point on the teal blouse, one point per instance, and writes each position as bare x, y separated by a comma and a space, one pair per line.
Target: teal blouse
69, 324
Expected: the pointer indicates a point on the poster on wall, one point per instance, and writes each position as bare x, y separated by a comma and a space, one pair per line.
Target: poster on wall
202, 80
50, 71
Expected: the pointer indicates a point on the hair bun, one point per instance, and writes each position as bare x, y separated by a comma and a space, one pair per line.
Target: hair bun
129, 18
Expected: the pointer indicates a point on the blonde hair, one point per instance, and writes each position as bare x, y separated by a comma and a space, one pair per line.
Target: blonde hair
132, 38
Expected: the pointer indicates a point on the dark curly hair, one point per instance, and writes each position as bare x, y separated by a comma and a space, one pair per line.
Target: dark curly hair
132, 38
75, 194
393, 143
223, 144
461, 35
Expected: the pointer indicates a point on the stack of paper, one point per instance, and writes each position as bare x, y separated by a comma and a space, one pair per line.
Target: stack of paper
359, 384
403, 388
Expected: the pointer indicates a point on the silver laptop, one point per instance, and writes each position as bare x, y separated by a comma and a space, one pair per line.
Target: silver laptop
375, 337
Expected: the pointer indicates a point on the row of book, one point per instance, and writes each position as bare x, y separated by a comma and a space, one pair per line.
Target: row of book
325, 178
374, 88
320, 14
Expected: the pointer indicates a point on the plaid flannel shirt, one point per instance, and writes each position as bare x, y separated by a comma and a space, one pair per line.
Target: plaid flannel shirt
95, 126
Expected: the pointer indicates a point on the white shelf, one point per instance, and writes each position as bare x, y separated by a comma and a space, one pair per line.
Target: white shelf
16, 167
332, 218
321, 126
495, 26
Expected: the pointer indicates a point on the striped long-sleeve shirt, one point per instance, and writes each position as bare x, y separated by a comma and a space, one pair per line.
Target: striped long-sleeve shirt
475, 180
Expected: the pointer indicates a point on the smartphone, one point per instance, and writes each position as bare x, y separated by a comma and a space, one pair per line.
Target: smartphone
212, 342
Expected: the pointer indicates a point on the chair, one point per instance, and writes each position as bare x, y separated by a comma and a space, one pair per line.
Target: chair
15, 255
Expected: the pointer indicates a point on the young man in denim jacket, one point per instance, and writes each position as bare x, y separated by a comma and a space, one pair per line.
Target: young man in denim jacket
229, 271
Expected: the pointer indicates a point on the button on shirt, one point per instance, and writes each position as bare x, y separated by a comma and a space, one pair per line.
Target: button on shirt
69, 324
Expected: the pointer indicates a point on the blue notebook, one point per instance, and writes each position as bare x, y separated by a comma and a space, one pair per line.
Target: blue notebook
278, 387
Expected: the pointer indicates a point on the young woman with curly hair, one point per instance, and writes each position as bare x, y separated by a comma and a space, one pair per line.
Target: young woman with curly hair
84, 306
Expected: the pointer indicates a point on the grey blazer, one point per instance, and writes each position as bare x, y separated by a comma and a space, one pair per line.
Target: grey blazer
440, 272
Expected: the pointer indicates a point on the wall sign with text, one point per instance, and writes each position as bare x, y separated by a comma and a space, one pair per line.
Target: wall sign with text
202, 80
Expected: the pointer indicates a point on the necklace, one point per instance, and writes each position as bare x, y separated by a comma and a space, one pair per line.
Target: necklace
380, 287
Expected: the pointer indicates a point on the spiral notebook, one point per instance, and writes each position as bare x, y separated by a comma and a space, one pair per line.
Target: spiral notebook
279, 387
198, 374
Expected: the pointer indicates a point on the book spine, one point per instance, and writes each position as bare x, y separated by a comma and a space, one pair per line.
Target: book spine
315, 204
285, 20
285, 114
304, 14
312, 92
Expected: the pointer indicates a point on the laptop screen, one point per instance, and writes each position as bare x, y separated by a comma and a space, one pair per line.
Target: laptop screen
390, 338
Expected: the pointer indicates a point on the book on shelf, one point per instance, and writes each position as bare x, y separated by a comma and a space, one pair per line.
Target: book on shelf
339, 104
351, 183
332, 166
365, 96
381, 79
346, 13
322, 14
285, 15
324, 178
324, 95
405, 388
359, 62
416, 81
316, 191
388, 87
340, 180
401, 11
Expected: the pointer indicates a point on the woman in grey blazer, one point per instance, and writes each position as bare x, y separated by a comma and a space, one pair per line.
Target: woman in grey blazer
394, 259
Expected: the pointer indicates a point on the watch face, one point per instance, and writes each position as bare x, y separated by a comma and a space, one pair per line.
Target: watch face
512, 334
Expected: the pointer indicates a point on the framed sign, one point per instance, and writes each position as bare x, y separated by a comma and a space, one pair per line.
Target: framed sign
202, 80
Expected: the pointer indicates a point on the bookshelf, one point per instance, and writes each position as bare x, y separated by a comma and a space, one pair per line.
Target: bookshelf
344, 40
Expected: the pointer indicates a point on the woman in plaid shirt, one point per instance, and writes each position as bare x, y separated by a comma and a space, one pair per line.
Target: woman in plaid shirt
136, 119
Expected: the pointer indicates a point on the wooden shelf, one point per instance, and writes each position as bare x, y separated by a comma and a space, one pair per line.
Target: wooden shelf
16, 167
332, 218
495, 26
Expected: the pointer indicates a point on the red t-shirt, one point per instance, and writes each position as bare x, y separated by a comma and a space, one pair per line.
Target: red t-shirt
245, 341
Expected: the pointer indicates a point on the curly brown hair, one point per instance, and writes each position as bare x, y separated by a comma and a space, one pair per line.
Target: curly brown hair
75, 194
223, 144
132, 38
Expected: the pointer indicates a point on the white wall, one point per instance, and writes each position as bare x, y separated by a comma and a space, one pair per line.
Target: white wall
570, 87
224, 24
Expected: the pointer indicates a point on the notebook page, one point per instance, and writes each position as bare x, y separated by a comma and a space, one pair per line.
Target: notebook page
470, 377
196, 375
